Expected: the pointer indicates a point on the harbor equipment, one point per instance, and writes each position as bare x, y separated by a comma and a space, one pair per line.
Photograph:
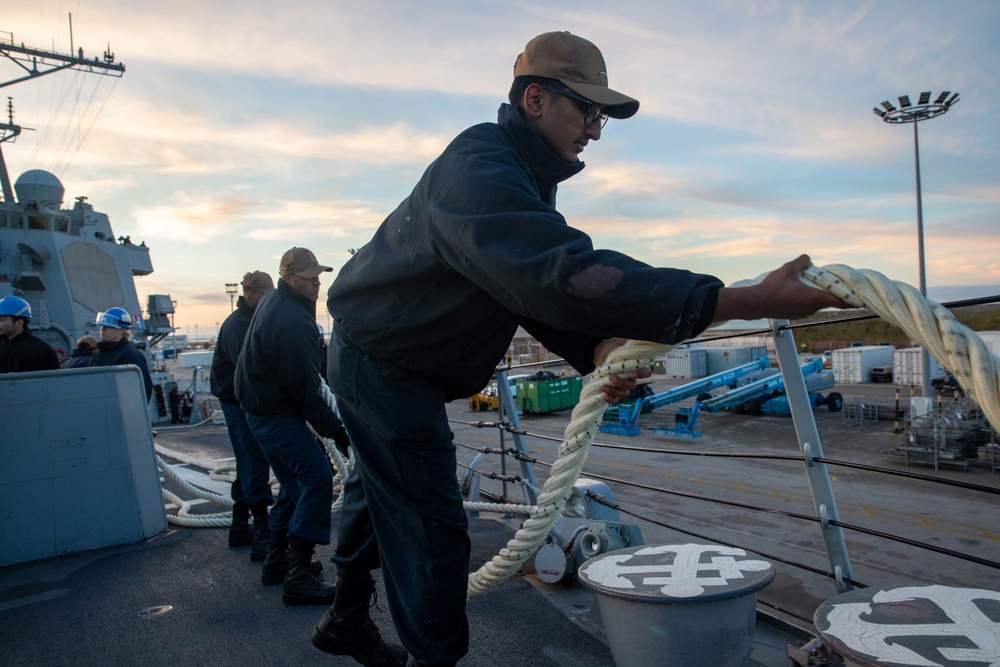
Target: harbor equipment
489, 397
764, 396
623, 419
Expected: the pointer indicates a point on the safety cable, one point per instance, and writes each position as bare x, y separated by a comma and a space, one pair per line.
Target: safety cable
794, 515
961, 484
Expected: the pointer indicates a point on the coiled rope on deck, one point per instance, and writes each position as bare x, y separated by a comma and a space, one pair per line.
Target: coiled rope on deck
223, 473
957, 347
183, 516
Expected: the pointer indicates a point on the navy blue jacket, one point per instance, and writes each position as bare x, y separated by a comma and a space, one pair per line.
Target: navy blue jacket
26, 352
478, 248
78, 358
227, 351
123, 353
279, 367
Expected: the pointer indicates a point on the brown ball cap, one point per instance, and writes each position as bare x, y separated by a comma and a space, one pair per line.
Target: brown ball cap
578, 65
301, 262
87, 342
259, 280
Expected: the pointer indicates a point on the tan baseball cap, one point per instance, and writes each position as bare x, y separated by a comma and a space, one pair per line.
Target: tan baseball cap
301, 262
578, 65
86, 342
258, 279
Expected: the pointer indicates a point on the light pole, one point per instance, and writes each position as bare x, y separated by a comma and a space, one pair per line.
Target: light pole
173, 331
914, 113
231, 291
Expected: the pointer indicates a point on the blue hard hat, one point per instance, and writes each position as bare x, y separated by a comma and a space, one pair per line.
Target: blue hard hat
114, 318
15, 306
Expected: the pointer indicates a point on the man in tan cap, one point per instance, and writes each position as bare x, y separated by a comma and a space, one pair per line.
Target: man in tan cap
425, 311
251, 490
86, 346
278, 378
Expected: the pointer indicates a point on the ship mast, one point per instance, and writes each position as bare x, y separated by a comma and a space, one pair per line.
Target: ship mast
36, 63
8, 132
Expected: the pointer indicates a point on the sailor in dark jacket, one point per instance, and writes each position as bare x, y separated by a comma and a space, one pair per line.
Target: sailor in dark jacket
115, 348
20, 351
251, 490
278, 385
86, 347
425, 311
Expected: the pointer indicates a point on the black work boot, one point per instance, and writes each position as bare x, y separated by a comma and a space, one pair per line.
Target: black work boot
346, 628
276, 563
301, 585
261, 533
239, 531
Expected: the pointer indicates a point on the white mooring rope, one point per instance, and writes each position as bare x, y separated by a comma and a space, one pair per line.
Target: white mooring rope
183, 518
222, 473
957, 347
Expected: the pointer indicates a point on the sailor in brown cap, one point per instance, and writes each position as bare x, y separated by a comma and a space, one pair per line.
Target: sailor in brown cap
80, 357
425, 311
251, 490
278, 378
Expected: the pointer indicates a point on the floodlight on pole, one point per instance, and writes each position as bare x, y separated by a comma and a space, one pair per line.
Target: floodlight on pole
914, 113
231, 291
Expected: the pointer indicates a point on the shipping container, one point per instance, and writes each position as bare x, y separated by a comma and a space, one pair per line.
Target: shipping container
853, 365
724, 358
538, 396
908, 367
689, 363
196, 358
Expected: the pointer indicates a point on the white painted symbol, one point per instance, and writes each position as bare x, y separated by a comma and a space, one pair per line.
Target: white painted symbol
679, 579
879, 640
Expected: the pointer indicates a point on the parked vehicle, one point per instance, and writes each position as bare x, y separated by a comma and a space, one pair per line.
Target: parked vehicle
881, 373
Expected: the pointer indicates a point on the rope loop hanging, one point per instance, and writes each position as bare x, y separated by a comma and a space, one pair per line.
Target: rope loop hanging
953, 344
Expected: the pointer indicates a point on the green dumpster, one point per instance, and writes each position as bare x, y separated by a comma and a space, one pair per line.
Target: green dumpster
540, 396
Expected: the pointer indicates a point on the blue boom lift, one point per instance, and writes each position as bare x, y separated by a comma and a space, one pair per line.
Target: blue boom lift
624, 419
762, 397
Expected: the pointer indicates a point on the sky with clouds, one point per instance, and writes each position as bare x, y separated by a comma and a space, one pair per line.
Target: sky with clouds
242, 129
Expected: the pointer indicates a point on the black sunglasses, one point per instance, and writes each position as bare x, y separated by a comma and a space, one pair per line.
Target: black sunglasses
592, 113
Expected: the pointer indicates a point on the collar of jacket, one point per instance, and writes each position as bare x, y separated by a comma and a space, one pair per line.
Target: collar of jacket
243, 306
19, 337
286, 290
547, 167
112, 346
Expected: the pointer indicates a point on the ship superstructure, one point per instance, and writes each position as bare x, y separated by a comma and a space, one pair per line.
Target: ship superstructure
67, 262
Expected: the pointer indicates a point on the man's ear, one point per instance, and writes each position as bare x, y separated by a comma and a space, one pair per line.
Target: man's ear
531, 104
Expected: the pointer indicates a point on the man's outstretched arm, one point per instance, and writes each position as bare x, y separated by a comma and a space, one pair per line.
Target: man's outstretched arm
781, 295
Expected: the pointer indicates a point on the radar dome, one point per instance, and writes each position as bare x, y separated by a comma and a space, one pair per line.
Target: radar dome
39, 186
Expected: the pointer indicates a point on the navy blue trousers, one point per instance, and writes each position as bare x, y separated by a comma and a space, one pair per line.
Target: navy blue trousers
252, 470
302, 468
402, 506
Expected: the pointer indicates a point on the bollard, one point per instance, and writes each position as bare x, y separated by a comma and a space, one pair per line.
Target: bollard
912, 625
681, 605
